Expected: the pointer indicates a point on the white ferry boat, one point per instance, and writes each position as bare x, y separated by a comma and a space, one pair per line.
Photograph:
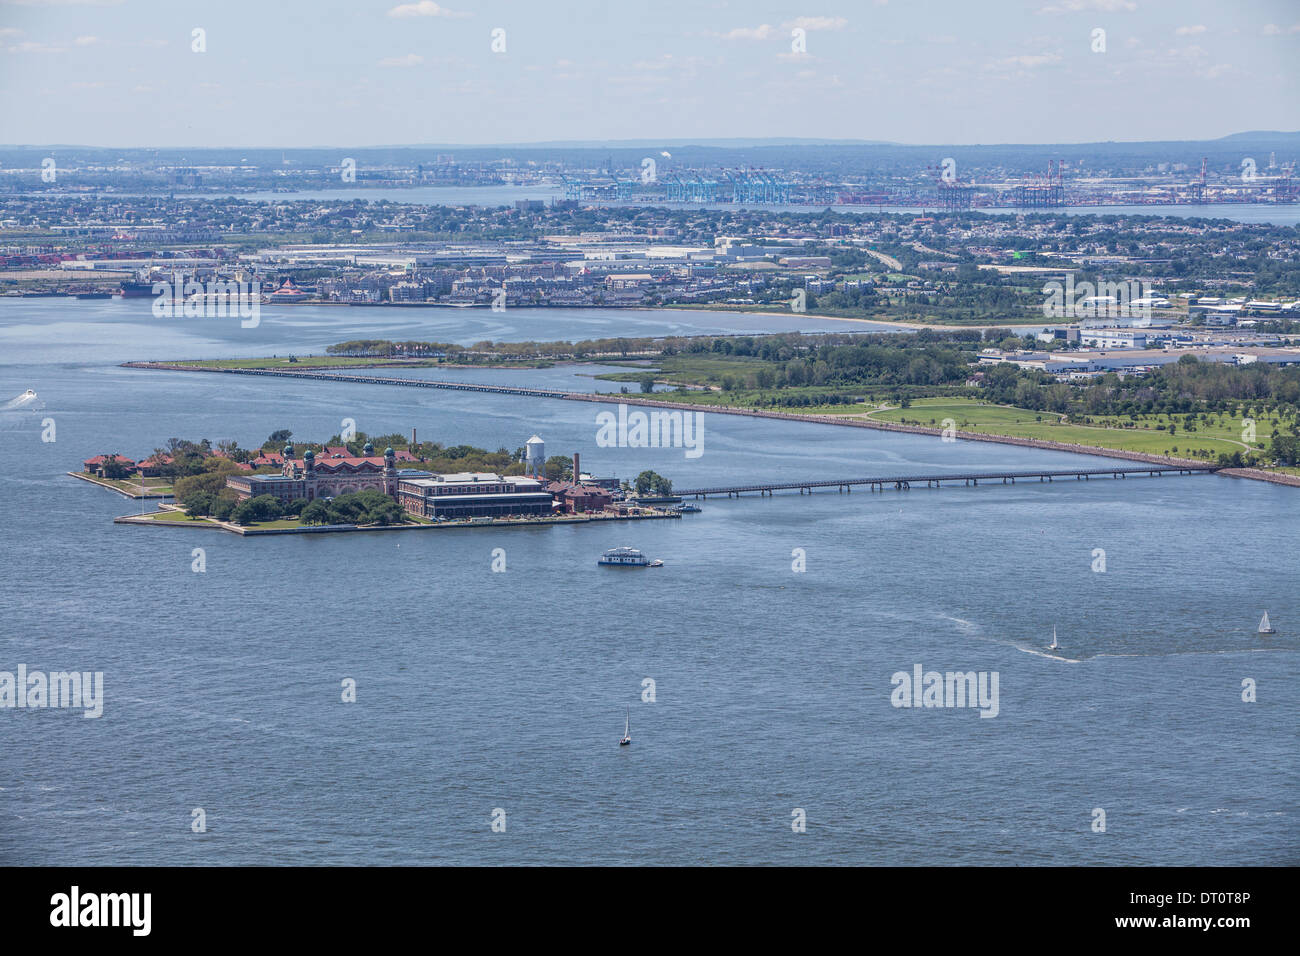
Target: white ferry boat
626, 558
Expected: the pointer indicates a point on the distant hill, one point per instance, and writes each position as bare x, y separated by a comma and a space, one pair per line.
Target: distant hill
1263, 136
739, 142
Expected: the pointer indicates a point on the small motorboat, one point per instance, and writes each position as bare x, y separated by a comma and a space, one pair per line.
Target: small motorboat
627, 732
656, 563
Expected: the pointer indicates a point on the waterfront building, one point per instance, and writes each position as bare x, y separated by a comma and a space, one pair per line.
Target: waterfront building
473, 495
308, 478
288, 292
580, 497
95, 466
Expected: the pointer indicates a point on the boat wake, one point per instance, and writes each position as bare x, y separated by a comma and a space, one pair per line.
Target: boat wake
19, 401
1044, 652
963, 625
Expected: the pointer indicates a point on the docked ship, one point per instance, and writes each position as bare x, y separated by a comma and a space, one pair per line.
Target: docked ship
627, 558
136, 289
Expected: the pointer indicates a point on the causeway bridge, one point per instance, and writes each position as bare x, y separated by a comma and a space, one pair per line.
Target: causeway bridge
1136, 463
373, 380
905, 482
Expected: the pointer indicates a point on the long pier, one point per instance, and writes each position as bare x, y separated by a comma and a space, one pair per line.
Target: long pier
373, 380
905, 482
1145, 463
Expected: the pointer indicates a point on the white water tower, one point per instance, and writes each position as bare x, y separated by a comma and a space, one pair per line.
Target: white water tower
534, 457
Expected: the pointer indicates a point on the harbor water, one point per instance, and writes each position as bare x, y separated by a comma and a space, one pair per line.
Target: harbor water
758, 663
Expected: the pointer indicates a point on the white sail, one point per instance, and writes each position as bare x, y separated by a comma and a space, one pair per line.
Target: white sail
627, 720
1264, 626
1053, 645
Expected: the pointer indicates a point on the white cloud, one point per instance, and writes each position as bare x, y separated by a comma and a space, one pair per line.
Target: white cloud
1273, 30
1030, 61
1190, 31
425, 8
87, 41
9, 32
64, 3
1083, 6
816, 23
30, 46
761, 32
411, 59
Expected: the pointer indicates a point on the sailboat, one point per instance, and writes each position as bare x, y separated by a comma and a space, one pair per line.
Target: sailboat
627, 734
1264, 626
1054, 645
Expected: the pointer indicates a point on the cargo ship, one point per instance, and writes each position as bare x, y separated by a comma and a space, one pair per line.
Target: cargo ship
136, 290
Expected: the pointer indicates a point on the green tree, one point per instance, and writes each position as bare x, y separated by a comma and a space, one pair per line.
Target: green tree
1285, 448
261, 508
210, 482
316, 512
557, 468
652, 483
114, 469
197, 503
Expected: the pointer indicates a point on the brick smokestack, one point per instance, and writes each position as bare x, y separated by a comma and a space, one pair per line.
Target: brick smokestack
576, 470
413, 438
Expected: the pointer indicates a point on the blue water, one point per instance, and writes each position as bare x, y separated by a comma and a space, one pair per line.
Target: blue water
120, 330
1271, 213
481, 690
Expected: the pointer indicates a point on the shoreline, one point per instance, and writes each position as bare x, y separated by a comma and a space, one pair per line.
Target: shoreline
212, 524
105, 483
889, 323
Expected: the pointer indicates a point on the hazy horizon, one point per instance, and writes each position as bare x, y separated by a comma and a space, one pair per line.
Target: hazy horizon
704, 142
377, 73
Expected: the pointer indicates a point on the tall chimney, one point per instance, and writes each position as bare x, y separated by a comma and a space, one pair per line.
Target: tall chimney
413, 438
576, 470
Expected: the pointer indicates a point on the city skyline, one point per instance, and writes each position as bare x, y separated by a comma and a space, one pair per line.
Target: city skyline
386, 73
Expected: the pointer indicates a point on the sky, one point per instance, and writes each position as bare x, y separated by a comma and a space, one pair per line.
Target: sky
292, 73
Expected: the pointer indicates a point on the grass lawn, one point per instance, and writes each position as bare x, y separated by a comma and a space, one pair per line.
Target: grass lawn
1219, 434
273, 525
152, 486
